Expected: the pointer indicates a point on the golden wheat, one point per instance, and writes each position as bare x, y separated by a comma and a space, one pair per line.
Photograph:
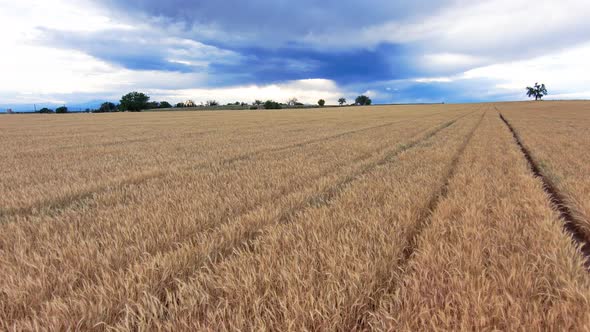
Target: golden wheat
494, 256
281, 220
557, 137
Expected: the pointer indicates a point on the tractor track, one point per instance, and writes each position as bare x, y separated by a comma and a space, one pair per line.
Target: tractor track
324, 198
422, 223
329, 194
571, 225
439, 196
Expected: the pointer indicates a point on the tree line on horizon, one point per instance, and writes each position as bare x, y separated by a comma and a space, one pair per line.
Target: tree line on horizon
138, 101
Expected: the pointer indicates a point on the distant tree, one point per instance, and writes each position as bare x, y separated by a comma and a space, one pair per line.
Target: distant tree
45, 110
212, 103
165, 104
342, 101
61, 109
292, 102
298, 104
270, 104
107, 107
321, 102
258, 102
153, 105
134, 102
180, 105
244, 104
363, 100
538, 91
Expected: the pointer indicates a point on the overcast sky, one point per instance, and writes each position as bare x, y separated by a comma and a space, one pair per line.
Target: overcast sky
84, 51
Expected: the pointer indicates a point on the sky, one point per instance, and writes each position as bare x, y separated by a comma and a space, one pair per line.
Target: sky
84, 52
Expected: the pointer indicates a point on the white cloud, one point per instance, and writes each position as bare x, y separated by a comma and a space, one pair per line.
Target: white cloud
306, 91
495, 42
437, 62
434, 80
38, 73
564, 72
475, 27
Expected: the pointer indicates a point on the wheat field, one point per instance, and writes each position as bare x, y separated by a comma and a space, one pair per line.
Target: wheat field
394, 218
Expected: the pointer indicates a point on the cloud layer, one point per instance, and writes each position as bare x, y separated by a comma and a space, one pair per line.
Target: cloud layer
59, 51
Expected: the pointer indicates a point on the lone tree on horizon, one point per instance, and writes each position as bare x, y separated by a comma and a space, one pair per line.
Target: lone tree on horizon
321, 102
538, 91
342, 101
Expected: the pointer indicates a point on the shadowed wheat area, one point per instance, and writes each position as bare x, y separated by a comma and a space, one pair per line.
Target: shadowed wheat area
353, 218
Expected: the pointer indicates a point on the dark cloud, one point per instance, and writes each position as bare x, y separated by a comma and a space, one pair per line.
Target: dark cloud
357, 44
272, 22
264, 66
140, 49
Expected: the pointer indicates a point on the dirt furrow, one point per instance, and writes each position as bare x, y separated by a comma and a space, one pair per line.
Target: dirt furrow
571, 225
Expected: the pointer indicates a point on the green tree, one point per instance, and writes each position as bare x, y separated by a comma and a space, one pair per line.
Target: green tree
134, 102
45, 110
538, 91
180, 105
363, 100
321, 102
342, 101
212, 103
272, 105
107, 107
153, 105
61, 109
165, 104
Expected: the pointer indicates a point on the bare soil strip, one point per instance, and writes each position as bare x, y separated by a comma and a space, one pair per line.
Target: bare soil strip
571, 225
